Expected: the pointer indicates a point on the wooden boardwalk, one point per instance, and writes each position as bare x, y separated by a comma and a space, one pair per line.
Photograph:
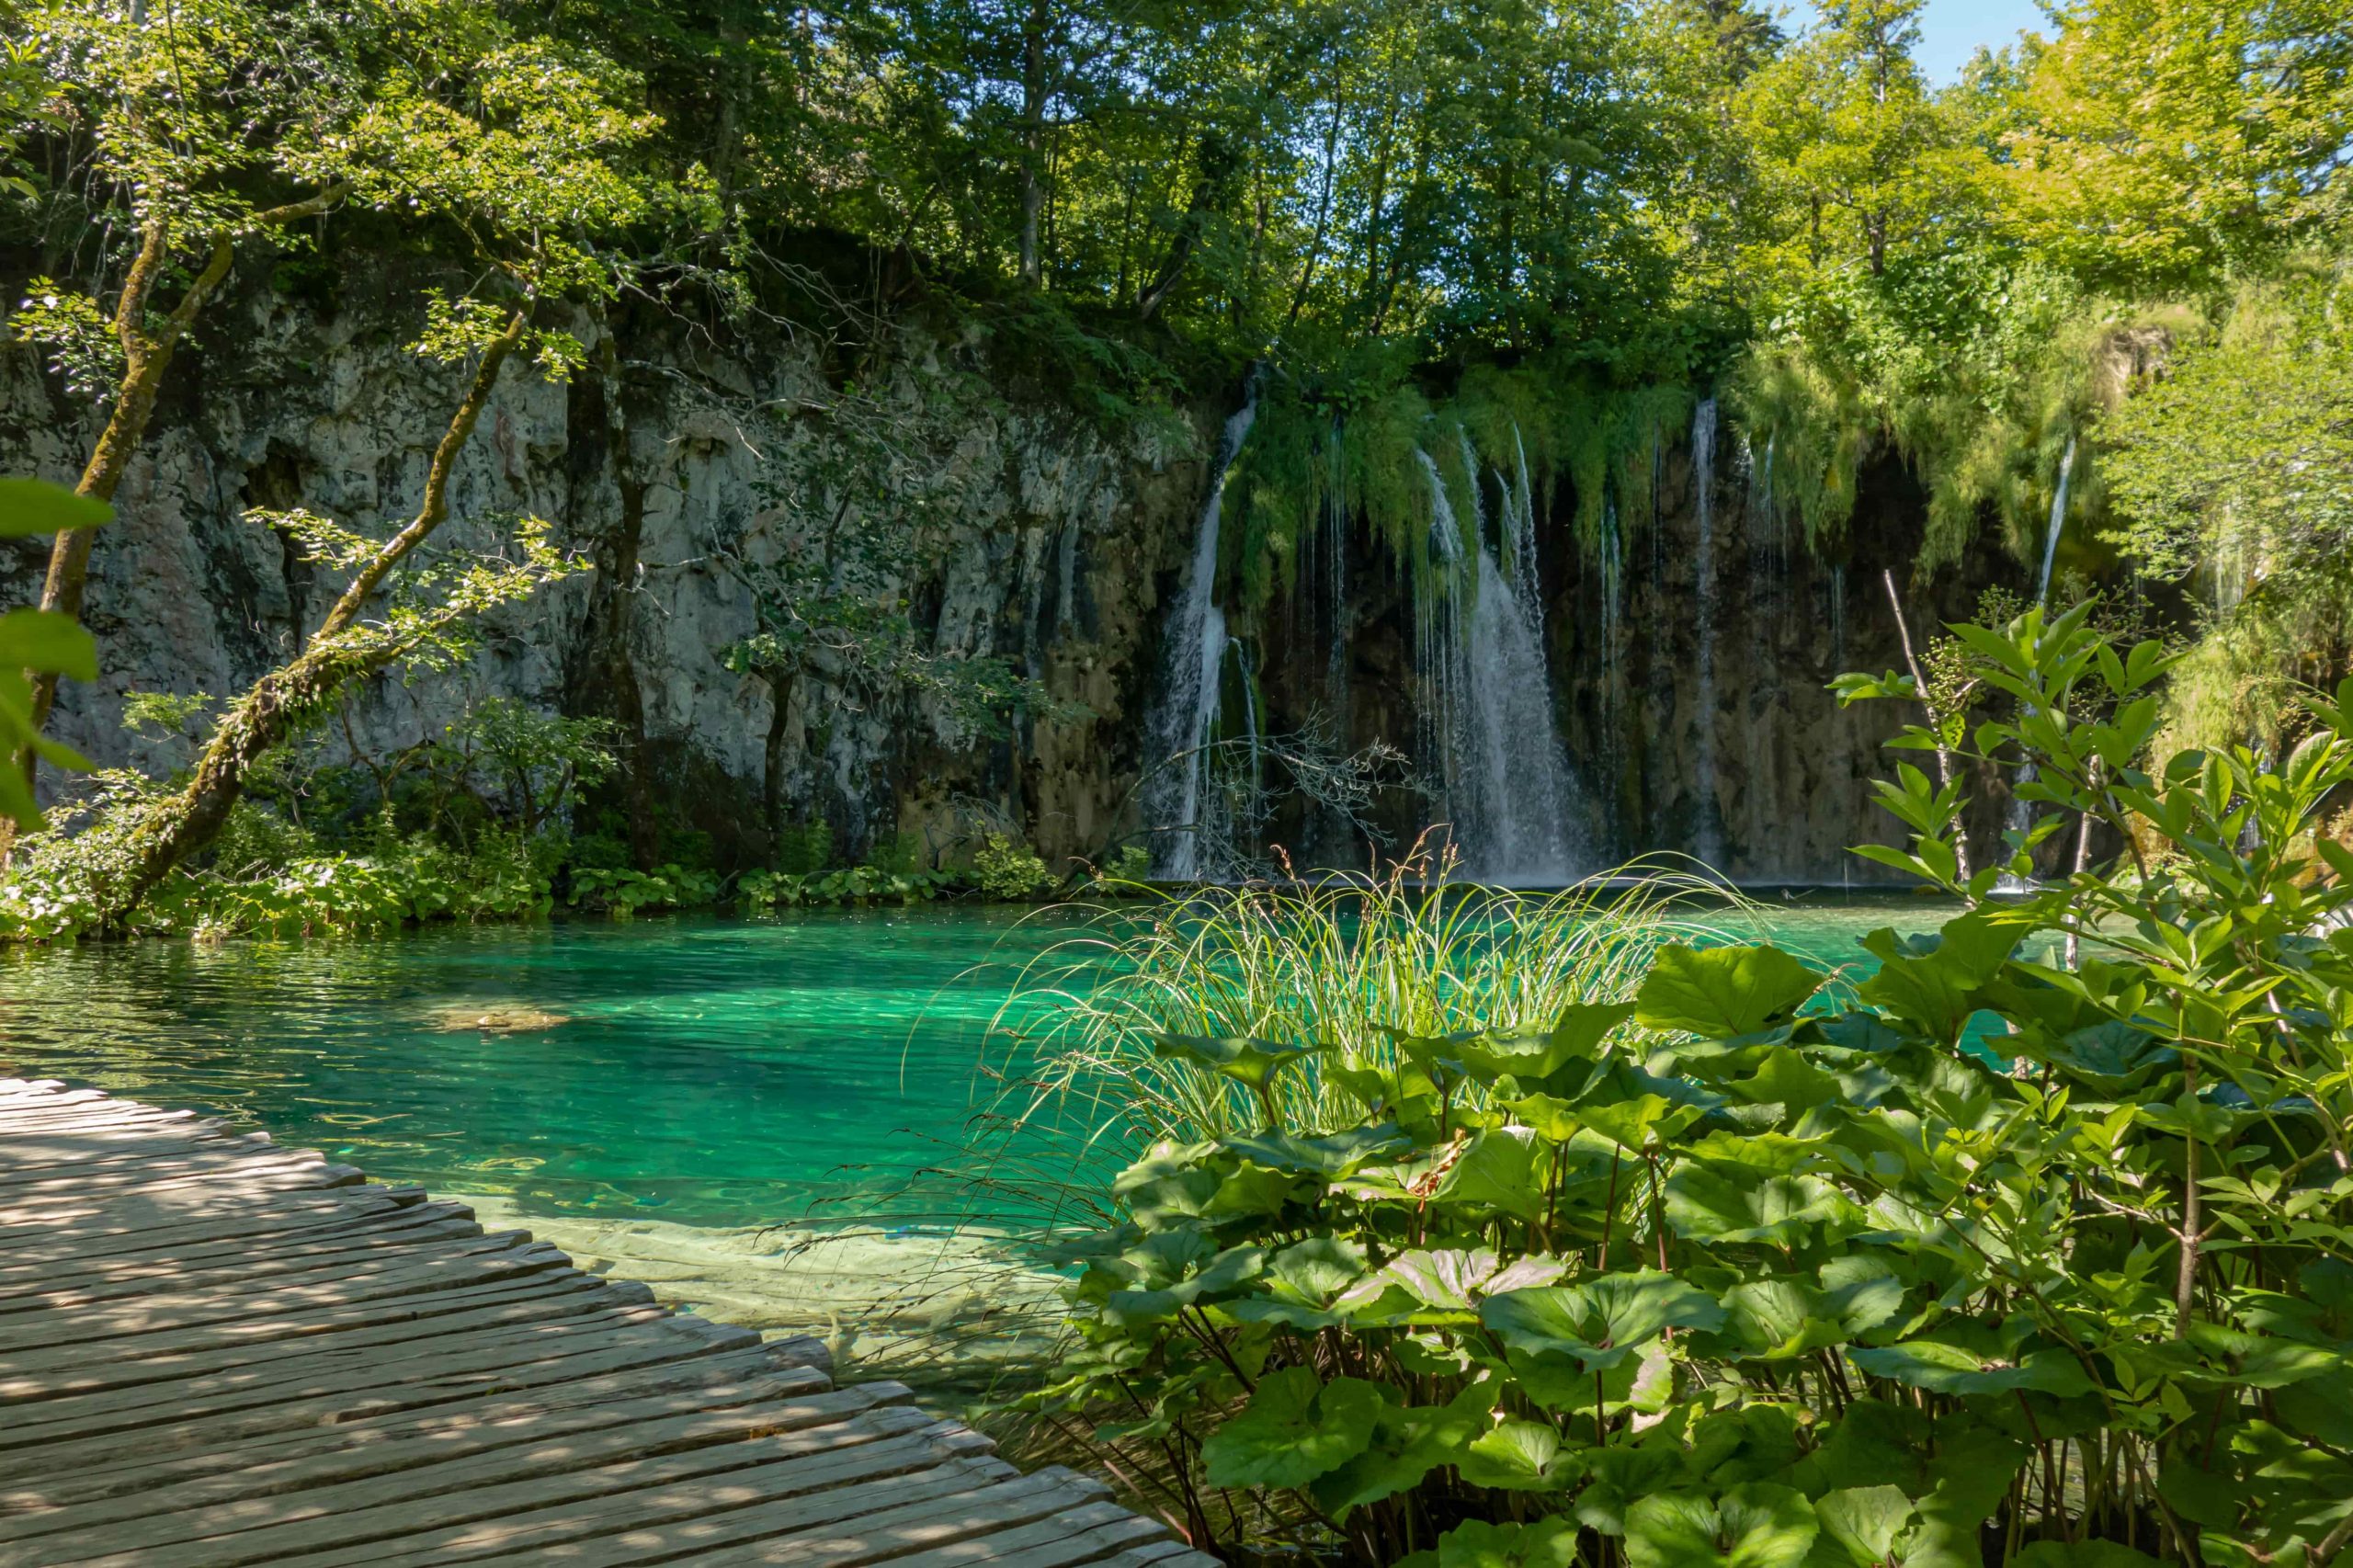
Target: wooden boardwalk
216, 1351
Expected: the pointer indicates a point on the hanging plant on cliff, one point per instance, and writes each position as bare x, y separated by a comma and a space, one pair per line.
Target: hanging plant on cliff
523, 148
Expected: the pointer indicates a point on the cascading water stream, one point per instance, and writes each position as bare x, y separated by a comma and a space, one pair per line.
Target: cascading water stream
1708, 842
2058, 521
1520, 512
1505, 777
1193, 652
2022, 815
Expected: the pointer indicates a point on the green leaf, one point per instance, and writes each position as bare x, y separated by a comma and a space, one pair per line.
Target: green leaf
1942, 1366
1931, 983
1754, 1526
1533, 1056
1548, 1543
1601, 1323
1722, 993
1405, 1444
1333, 1156
40, 639
1500, 1170
1520, 1456
1251, 1063
1777, 1211
1297, 1427
1864, 1521
37, 506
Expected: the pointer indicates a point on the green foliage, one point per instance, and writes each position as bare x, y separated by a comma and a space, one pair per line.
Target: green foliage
846, 885
2235, 470
38, 641
266, 877
162, 714
1708, 1265
799, 850
622, 891
1007, 870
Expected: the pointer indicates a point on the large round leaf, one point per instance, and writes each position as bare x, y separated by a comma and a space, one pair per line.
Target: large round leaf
1601, 1323
1754, 1525
1297, 1427
1722, 993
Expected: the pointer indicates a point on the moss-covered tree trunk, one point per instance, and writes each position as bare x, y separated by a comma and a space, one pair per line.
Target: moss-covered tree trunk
146, 355
279, 701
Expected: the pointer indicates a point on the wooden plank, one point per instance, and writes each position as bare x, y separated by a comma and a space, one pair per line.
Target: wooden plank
886, 1440
482, 1364
889, 1530
149, 1325
603, 1505
298, 1462
94, 1227
69, 1218
250, 1262
212, 1445
710, 1535
228, 1268
377, 1339
347, 1501
45, 1161
1083, 1534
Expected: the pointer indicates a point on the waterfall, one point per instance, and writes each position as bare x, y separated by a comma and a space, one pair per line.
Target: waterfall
2058, 521
1193, 649
1336, 531
1488, 707
2022, 815
1519, 513
1708, 842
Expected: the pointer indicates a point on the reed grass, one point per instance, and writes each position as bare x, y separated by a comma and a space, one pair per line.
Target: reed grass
1348, 961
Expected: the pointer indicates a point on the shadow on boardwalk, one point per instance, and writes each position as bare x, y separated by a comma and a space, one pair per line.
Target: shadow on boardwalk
214, 1351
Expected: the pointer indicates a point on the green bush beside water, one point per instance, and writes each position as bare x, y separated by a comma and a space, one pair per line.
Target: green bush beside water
1684, 1257
486, 823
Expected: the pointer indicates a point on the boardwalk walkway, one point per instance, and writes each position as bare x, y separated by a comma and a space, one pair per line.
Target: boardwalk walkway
216, 1351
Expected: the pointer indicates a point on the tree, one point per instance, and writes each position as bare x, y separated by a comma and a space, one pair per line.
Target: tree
1857, 152
521, 145
177, 117
2165, 140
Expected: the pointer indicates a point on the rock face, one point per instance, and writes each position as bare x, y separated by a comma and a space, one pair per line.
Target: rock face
1688, 682
674, 468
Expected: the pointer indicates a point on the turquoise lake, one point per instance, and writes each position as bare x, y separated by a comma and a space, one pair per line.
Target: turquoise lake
706, 1071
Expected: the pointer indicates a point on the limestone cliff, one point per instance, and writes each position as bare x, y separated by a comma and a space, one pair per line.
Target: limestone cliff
1688, 679
669, 463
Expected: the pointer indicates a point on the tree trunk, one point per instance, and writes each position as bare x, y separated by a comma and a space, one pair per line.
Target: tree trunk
145, 358
1033, 138
1936, 720
1213, 165
274, 705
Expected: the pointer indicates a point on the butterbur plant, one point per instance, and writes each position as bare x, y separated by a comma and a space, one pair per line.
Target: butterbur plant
1993, 1257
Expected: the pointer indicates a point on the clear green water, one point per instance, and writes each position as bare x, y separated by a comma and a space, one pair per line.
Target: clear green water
708, 1071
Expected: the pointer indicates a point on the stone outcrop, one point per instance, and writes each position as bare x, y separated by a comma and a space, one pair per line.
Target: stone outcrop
671, 466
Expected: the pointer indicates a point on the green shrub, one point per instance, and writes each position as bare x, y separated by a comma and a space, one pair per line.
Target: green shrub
855, 884
622, 892
1737, 1267
1129, 870
1007, 870
800, 850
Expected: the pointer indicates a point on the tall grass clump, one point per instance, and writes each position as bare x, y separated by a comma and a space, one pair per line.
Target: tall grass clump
1348, 963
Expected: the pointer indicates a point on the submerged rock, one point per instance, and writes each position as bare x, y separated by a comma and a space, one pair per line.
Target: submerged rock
463, 1018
